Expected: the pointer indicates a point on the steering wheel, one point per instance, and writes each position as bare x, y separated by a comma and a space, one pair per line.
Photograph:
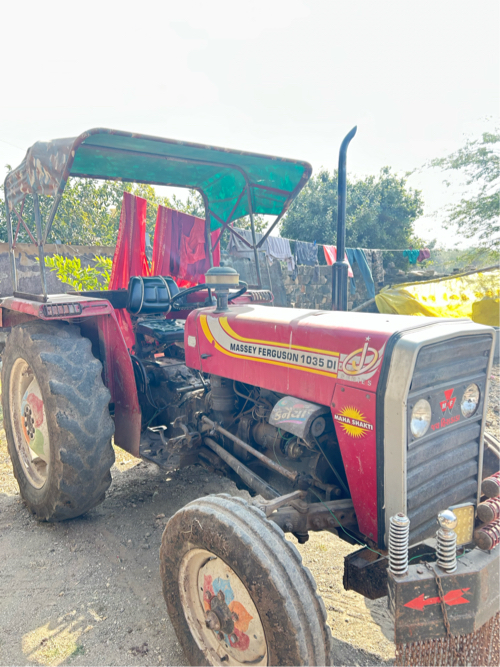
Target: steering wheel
242, 288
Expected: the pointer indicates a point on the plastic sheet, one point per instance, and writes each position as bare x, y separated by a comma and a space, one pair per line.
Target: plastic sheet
474, 295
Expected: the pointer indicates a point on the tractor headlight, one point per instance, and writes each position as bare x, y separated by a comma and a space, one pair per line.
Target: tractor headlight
420, 418
470, 400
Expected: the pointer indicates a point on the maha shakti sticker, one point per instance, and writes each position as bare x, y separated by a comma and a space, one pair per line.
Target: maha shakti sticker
353, 422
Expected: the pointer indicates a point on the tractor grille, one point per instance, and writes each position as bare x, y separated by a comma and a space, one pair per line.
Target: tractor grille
442, 466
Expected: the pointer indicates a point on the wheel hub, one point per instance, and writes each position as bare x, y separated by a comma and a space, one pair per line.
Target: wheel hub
219, 609
221, 615
29, 423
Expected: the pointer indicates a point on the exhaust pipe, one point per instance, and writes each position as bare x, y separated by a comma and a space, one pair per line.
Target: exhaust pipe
340, 268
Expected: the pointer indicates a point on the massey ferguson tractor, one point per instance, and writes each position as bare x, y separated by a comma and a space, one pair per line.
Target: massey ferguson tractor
369, 426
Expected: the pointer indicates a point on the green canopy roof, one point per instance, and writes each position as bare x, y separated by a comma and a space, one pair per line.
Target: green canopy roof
227, 179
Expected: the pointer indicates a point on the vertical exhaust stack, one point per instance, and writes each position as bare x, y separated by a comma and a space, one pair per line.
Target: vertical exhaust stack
340, 268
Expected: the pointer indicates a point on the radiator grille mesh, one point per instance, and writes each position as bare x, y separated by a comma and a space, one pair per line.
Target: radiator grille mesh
442, 467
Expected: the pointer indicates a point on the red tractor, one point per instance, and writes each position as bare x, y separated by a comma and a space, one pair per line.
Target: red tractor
365, 425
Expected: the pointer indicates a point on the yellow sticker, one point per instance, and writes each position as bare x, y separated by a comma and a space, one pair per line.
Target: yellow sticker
465, 526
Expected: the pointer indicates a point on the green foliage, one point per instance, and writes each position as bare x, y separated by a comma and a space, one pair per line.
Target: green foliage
89, 212
380, 211
477, 215
70, 271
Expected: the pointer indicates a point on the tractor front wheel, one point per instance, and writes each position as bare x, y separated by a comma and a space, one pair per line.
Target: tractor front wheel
236, 590
56, 419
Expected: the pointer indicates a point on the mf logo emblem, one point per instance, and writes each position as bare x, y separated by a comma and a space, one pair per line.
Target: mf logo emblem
449, 400
360, 361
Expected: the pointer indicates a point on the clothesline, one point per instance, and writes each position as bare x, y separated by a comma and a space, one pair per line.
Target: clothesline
322, 245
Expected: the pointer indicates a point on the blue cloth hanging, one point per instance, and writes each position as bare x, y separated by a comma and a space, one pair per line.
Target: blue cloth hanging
412, 255
357, 255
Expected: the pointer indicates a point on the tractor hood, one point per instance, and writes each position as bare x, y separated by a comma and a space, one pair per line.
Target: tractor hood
299, 352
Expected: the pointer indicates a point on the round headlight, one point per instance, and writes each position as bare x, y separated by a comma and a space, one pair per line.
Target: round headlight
420, 418
470, 400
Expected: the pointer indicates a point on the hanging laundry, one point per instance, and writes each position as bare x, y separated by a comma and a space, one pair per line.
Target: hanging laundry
412, 255
306, 253
130, 255
424, 254
238, 248
179, 248
357, 255
279, 248
377, 259
331, 257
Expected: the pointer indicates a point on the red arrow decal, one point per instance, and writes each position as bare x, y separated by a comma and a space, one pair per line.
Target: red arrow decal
455, 597
452, 598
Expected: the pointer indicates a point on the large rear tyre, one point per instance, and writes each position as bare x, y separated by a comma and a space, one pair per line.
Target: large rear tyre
236, 590
56, 419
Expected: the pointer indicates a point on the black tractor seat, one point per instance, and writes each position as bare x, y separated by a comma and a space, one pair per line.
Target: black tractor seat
150, 295
144, 296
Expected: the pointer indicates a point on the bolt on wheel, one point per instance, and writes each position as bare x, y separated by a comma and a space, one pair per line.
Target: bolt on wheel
29, 422
219, 610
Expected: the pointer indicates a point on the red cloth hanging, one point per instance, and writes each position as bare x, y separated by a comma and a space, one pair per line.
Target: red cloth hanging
331, 257
179, 248
130, 255
424, 254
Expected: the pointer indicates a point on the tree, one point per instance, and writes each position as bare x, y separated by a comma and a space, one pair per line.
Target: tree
380, 211
477, 215
89, 211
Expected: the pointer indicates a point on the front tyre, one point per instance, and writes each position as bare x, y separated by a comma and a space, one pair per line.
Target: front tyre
236, 590
56, 419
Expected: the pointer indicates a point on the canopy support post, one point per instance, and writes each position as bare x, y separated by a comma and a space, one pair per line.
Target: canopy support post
52, 215
13, 271
41, 254
254, 239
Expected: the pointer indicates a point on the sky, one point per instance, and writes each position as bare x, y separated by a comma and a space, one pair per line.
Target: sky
287, 78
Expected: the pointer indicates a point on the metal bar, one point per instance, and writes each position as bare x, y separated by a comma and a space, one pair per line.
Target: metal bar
233, 231
270, 189
31, 297
228, 220
262, 457
21, 219
208, 239
264, 238
16, 234
52, 215
250, 478
254, 238
341, 268
13, 271
18, 223
41, 254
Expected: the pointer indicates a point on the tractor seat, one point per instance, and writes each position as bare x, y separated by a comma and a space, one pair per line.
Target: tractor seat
150, 295
164, 331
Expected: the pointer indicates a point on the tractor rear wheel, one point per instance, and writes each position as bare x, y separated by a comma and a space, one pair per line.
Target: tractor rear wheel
56, 419
236, 590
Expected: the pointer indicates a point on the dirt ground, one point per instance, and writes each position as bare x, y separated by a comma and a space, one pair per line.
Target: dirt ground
87, 591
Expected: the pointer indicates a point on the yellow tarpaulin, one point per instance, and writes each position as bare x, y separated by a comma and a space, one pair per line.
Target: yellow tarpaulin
474, 295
